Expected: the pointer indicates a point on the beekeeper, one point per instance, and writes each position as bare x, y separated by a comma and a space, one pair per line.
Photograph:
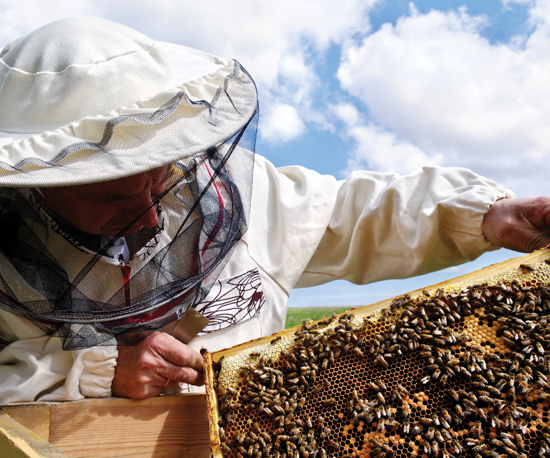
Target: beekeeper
134, 214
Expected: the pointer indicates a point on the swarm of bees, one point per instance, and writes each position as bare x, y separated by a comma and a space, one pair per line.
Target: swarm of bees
460, 372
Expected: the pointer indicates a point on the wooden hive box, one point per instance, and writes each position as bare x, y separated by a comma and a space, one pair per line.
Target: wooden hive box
165, 426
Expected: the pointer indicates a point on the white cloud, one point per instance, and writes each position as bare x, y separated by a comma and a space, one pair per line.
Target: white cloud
383, 151
379, 149
437, 84
19, 17
281, 123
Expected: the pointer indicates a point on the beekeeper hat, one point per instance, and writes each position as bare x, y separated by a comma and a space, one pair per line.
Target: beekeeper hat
86, 100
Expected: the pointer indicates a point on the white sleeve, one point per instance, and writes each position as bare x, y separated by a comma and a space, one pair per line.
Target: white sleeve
34, 367
389, 226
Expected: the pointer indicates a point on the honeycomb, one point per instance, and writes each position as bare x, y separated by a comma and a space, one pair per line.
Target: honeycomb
460, 371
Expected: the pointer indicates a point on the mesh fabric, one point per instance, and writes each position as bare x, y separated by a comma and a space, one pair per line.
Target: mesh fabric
63, 280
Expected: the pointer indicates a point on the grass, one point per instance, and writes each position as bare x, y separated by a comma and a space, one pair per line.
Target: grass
296, 316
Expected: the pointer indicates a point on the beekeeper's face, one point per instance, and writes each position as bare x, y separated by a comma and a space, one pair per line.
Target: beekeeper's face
109, 207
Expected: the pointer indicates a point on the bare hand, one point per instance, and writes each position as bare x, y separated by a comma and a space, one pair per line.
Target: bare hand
142, 371
519, 224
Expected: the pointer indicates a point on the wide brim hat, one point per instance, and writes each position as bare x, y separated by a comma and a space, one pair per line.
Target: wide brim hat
86, 100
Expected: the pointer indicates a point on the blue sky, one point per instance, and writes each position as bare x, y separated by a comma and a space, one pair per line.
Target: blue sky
372, 84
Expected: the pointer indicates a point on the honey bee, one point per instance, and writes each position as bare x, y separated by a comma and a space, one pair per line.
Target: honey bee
481, 448
427, 448
456, 446
487, 400
358, 352
526, 268
231, 391
477, 429
325, 433
429, 433
381, 361
374, 386
544, 450
454, 395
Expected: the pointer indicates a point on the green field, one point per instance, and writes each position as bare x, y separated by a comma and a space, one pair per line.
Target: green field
296, 316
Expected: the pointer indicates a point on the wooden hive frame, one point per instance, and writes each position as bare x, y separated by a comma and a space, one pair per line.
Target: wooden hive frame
479, 276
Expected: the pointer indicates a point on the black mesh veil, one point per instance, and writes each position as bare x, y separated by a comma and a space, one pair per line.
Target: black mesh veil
67, 282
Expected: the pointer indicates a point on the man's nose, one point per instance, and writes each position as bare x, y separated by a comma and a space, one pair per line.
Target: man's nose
150, 218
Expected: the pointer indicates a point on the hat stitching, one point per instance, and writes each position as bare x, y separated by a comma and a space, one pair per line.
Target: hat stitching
24, 72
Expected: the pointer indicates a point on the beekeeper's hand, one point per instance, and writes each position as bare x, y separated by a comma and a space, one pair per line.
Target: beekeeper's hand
519, 224
145, 370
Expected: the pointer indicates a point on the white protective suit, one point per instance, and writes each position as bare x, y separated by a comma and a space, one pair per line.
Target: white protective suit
305, 229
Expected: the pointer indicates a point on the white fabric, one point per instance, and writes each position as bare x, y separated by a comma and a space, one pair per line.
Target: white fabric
48, 86
207, 124
62, 84
35, 367
119, 251
47, 77
305, 229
